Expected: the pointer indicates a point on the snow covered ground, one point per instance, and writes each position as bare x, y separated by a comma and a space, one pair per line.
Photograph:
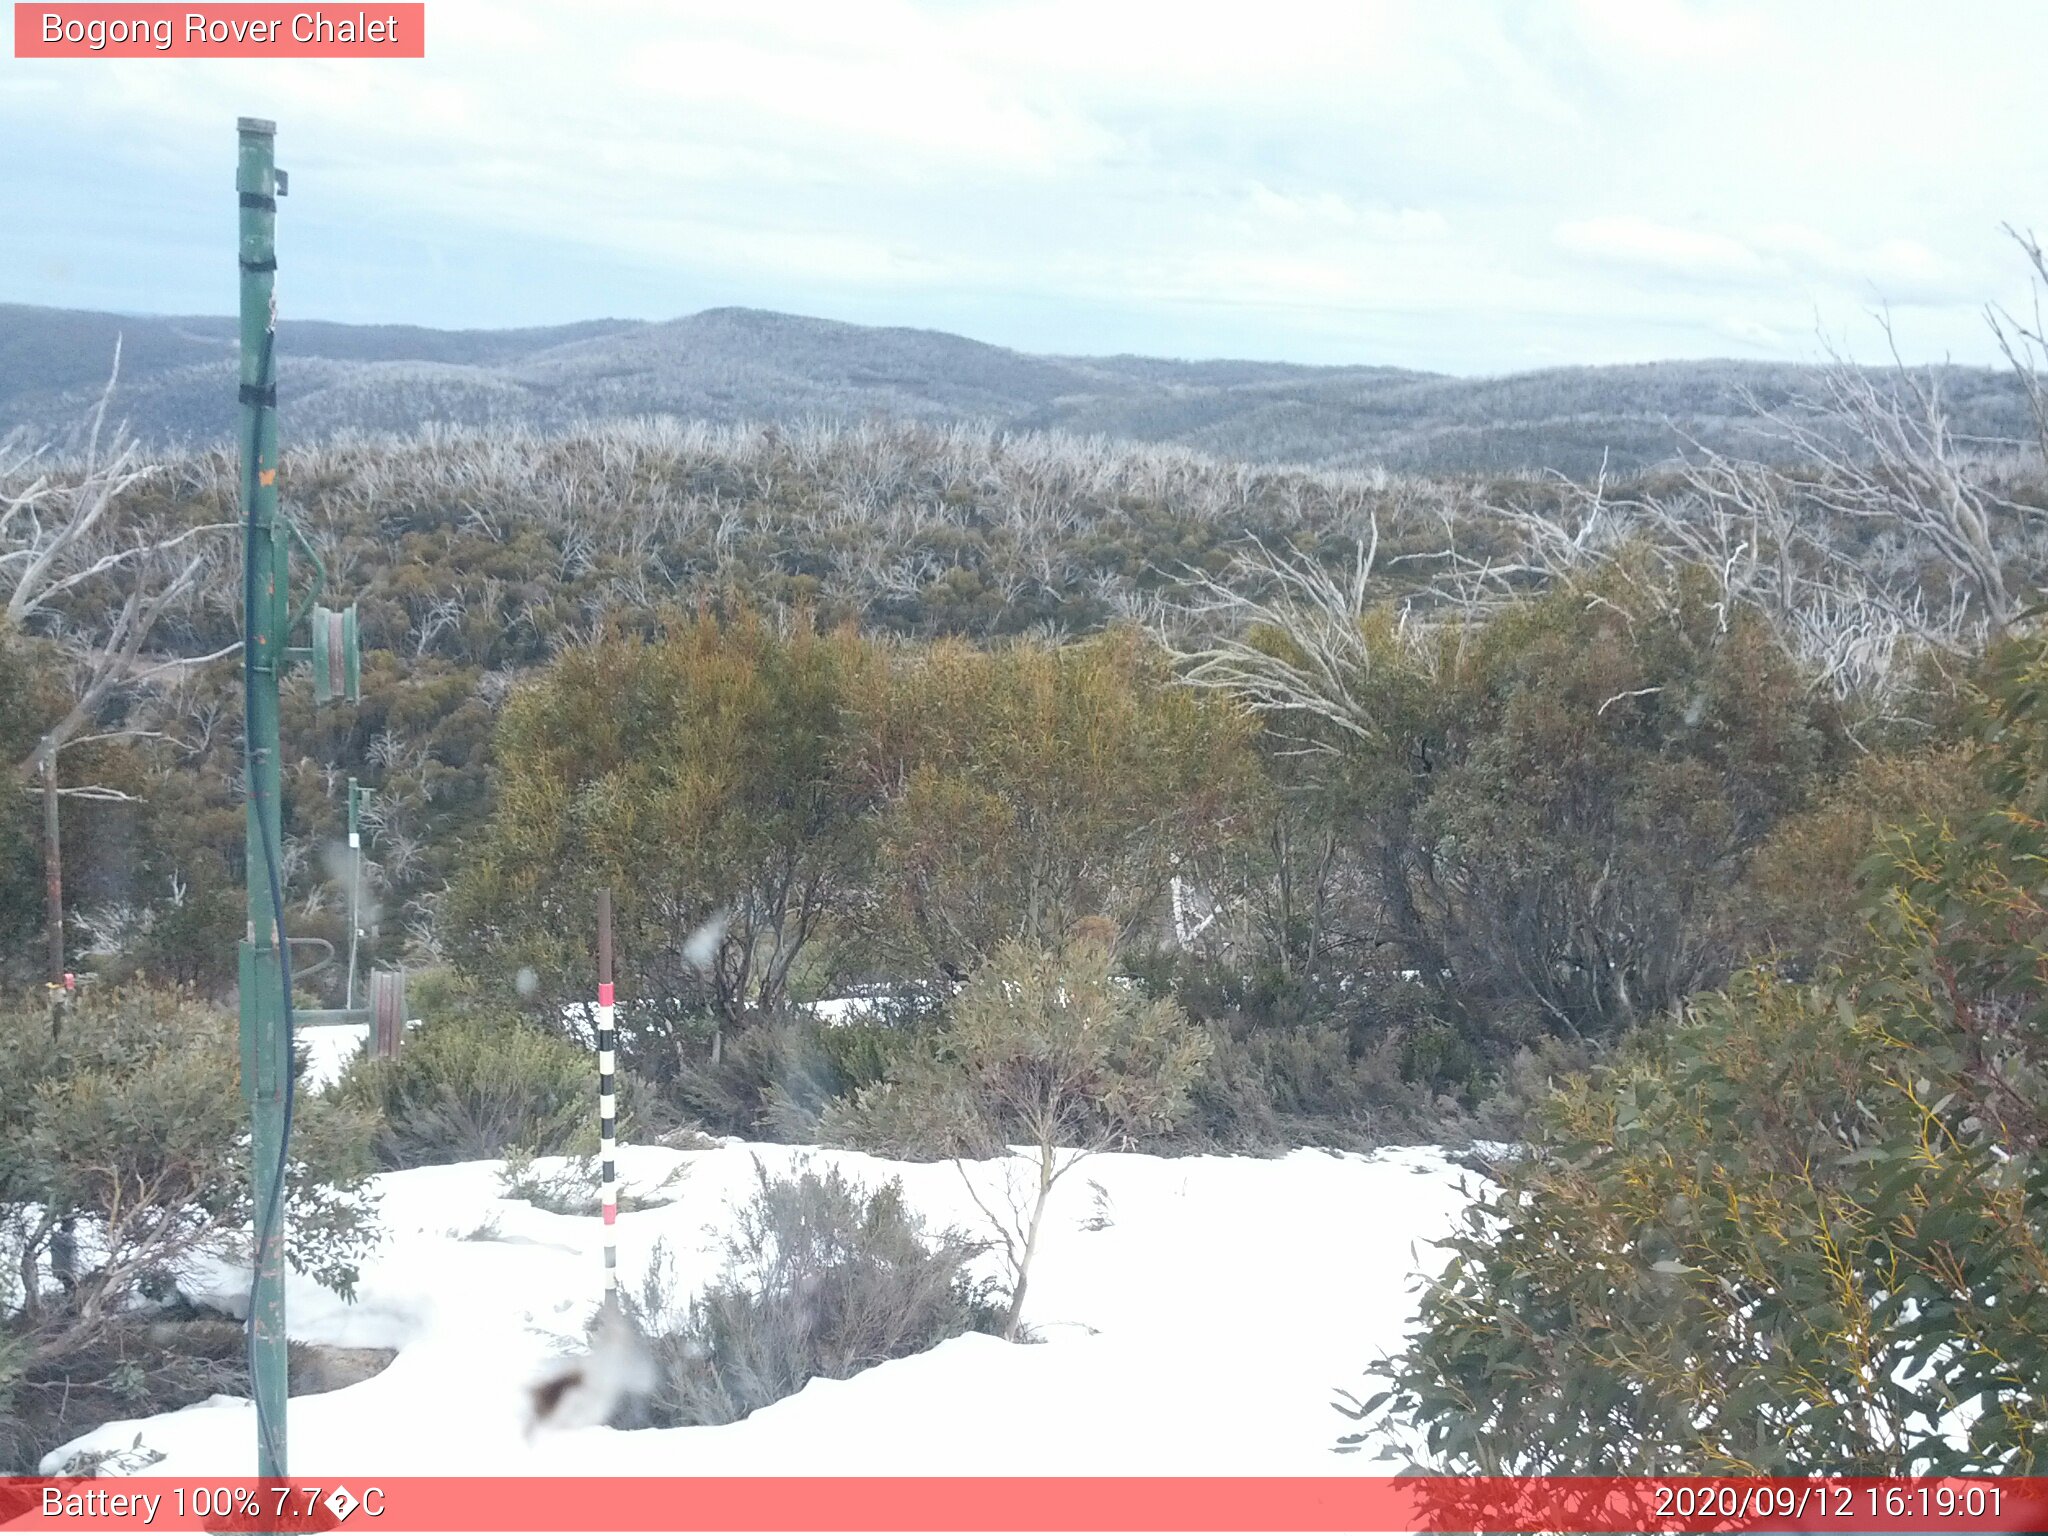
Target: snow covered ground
329, 1049
1194, 1316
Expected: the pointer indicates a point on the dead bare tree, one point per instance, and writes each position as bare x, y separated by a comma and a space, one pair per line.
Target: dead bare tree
1292, 642
1832, 543
95, 584
2025, 342
1903, 468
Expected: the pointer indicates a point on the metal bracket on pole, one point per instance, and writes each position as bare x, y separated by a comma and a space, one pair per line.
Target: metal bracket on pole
337, 656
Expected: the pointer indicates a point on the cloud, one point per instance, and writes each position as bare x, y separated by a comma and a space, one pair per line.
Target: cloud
1640, 242
1669, 31
1468, 186
1787, 257
1333, 213
1754, 333
1898, 268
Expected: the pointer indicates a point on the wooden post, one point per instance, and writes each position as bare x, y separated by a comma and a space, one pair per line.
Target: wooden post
387, 1012
53, 865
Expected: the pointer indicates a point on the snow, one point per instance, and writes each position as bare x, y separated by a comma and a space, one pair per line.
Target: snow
329, 1049
851, 1010
1204, 1329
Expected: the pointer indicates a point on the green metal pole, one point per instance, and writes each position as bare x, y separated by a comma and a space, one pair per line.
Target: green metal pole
266, 1061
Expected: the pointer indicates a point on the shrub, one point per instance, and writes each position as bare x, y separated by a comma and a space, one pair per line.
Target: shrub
1296, 1086
707, 771
1047, 1047
822, 1278
1736, 1255
122, 1120
1539, 817
1804, 878
776, 1079
477, 1083
572, 1189
1025, 789
18, 1441
1806, 1232
1306, 1061
127, 1369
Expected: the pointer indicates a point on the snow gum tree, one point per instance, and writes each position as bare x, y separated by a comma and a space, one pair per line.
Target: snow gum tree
1022, 790
703, 775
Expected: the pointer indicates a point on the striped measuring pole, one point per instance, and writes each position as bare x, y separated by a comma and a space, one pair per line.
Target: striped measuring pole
607, 1096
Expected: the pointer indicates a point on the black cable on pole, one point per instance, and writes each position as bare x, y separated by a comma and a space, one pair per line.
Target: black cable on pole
267, 1218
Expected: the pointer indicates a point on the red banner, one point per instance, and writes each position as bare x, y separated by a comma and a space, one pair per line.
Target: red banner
1564, 1504
103, 31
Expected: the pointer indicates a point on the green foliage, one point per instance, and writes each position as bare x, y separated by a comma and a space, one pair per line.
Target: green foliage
129, 1368
1317, 1060
778, 1078
704, 773
1045, 1046
931, 802
1027, 788
476, 1082
1962, 933
128, 1116
1548, 831
822, 1278
18, 1447
1737, 1253
96, 834
1614, 756
28, 703
1538, 820
126, 1123
1807, 1230
1800, 893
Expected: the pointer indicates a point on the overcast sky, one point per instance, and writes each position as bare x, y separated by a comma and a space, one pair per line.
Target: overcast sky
1456, 185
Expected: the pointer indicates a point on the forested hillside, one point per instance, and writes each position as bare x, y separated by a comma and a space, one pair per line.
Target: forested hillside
738, 365
484, 563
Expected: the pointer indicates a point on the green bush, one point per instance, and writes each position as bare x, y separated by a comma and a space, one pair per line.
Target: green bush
1736, 1254
1268, 1089
1044, 1047
124, 1116
1803, 879
128, 1369
776, 1079
1807, 1230
1299, 1063
822, 1278
477, 1083
19, 1445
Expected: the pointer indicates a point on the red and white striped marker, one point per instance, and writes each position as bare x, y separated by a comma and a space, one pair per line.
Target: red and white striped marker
607, 1096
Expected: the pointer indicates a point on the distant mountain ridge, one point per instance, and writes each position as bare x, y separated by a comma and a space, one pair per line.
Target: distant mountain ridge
177, 388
